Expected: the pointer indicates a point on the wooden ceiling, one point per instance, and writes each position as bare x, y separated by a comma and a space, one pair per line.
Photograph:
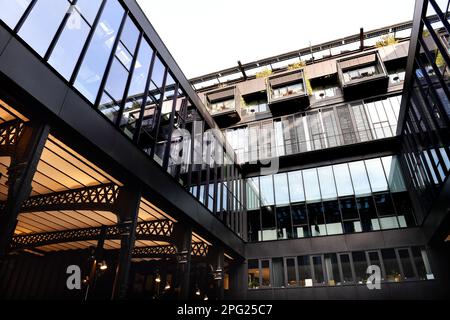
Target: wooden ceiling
60, 169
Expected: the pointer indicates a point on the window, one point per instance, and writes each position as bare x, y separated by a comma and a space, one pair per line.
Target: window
318, 271
255, 106
42, 23
291, 272
406, 263
68, 48
391, 265
265, 273
288, 90
327, 186
359, 178
345, 264
94, 64
136, 91
278, 272
254, 226
253, 274
386, 212
12, 11
300, 221
332, 270
311, 183
394, 175
360, 73
266, 185
333, 217
422, 264
360, 263
343, 180
305, 278
281, 189
296, 186
376, 175
268, 223
316, 219
221, 106
368, 214
284, 223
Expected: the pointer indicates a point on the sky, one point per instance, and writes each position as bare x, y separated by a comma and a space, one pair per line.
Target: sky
205, 36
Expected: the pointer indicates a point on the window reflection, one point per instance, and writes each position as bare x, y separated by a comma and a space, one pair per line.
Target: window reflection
94, 64
12, 11
42, 23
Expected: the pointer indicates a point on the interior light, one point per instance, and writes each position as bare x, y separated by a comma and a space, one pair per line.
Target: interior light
197, 292
206, 298
158, 278
167, 286
103, 266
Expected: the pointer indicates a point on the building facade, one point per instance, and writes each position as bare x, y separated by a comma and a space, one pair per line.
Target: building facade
284, 178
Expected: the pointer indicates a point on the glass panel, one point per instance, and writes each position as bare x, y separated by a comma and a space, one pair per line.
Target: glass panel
346, 268
300, 221
333, 217
94, 64
343, 180
405, 260
253, 274
278, 273
404, 209
268, 223
327, 186
12, 11
359, 178
376, 175
311, 183
129, 35
254, 226
68, 48
41, 25
393, 173
316, 220
266, 185
332, 270
114, 88
349, 209
281, 189
265, 273
252, 186
368, 214
422, 264
360, 264
304, 271
89, 9
391, 265
291, 272
296, 186
318, 270
136, 92
284, 223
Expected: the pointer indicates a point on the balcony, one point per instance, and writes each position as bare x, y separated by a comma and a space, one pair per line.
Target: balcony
363, 75
224, 106
287, 92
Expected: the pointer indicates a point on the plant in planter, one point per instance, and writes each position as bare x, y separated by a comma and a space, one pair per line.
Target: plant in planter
263, 74
297, 65
386, 40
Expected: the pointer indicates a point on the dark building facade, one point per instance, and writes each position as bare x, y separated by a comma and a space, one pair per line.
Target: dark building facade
284, 178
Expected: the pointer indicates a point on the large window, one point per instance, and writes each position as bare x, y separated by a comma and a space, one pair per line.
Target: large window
335, 269
344, 198
317, 129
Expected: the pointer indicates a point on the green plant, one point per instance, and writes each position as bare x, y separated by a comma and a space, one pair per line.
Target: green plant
297, 65
386, 40
263, 73
440, 62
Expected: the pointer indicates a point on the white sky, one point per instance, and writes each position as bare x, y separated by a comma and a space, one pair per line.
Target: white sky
209, 35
